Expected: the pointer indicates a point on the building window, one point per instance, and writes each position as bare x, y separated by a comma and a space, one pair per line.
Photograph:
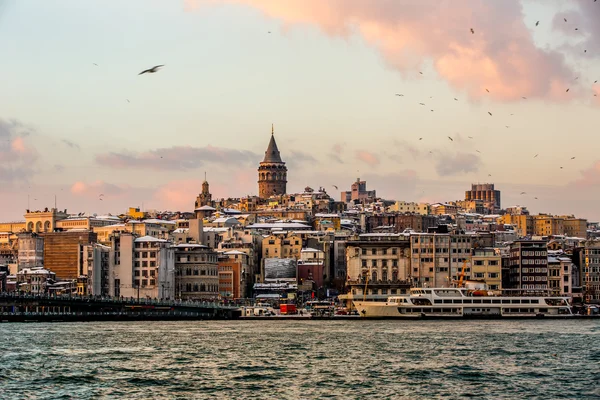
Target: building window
364, 263
373, 251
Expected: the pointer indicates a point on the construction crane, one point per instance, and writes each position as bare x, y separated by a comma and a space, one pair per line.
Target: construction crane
462, 273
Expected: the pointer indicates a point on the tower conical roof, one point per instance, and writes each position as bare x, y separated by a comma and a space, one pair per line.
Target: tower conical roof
272, 154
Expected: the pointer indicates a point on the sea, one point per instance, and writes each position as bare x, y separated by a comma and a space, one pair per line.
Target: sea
302, 359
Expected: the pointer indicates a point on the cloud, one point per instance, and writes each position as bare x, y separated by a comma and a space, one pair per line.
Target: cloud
17, 157
458, 163
367, 158
590, 177
501, 55
299, 159
71, 144
178, 158
96, 188
336, 152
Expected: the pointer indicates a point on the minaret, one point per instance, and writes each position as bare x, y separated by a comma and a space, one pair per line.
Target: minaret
272, 172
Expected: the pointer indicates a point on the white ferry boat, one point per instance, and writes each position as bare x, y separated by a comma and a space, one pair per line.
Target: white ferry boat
464, 303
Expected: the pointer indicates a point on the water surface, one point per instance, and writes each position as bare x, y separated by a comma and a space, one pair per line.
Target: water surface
301, 359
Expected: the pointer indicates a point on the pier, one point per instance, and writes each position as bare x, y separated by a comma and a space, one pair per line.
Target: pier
49, 308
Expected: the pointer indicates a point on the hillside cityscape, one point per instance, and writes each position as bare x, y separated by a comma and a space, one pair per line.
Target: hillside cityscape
291, 247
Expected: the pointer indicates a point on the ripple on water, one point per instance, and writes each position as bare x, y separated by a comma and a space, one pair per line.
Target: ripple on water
300, 359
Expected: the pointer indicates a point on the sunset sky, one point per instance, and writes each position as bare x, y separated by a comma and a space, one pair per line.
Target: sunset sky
325, 73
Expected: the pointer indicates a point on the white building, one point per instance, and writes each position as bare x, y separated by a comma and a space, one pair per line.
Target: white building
34, 280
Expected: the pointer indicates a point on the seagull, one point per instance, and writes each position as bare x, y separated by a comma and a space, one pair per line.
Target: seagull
507, 126
478, 151
336, 188
398, 94
565, 19
455, 99
269, 32
576, 29
472, 31
489, 174
420, 72
420, 138
535, 155
422, 104
450, 139
537, 23
523, 193
470, 137
128, 100
561, 167
567, 90
487, 90
489, 113
524, 98
431, 110
151, 70
572, 158
95, 64
535, 198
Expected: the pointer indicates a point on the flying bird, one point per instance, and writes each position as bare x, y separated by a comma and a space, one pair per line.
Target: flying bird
507, 126
576, 29
568, 90
595, 81
572, 158
489, 174
470, 137
420, 72
128, 100
455, 99
450, 139
336, 188
535, 198
420, 138
431, 110
151, 70
422, 104
489, 113
537, 23
524, 98
561, 167
398, 94
472, 31
95, 64
565, 19
478, 151
523, 193
487, 90
535, 155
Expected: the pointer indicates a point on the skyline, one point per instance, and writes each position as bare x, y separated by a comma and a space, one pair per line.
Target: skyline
326, 77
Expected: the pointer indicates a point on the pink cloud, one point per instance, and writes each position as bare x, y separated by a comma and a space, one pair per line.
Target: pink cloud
367, 157
590, 177
500, 56
97, 188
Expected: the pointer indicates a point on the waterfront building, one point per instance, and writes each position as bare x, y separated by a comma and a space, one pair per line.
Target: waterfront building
43, 221
31, 250
95, 259
590, 274
358, 193
61, 252
233, 267
141, 267
528, 265
272, 172
34, 280
487, 267
196, 272
378, 265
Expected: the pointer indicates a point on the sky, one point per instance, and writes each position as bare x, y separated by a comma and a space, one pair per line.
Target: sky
77, 121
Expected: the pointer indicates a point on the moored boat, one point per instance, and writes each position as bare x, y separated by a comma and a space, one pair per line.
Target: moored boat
465, 303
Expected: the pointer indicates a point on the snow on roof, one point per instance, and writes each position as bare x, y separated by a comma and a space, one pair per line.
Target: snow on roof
230, 211
224, 219
205, 208
158, 221
32, 271
149, 239
234, 252
325, 215
214, 229
181, 230
310, 250
191, 245
279, 225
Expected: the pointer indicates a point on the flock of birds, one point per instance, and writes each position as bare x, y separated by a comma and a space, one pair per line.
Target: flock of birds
490, 113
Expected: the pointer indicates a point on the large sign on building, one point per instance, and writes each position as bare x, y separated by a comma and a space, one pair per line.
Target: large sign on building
280, 268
